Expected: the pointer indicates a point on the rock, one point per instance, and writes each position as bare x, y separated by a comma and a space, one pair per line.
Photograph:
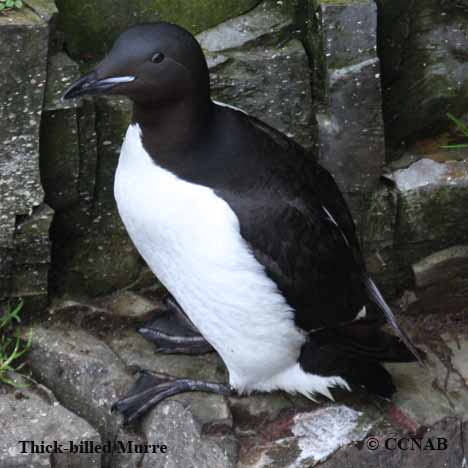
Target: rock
347, 96
130, 458
442, 266
424, 66
265, 24
448, 429
130, 305
173, 424
105, 258
32, 416
32, 255
92, 253
89, 373
298, 438
257, 66
106, 19
378, 241
431, 196
428, 396
21, 194
136, 352
84, 374
416, 216
88, 376
81, 370
458, 349
89, 370
80, 146
256, 410
60, 156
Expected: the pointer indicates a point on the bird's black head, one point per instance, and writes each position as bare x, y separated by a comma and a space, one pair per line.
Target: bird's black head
149, 63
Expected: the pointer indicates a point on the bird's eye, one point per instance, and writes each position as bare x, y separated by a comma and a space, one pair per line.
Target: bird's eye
158, 57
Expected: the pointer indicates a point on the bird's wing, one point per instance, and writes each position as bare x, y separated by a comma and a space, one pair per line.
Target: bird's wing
300, 229
299, 232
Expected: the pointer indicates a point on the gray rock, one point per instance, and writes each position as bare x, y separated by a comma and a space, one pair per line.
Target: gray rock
22, 84
135, 351
442, 266
173, 424
84, 374
347, 96
265, 23
298, 438
449, 429
431, 200
88, 373
250, 411
32, 256
424, 68
130, 305
131, 457
31, 415
105, 19
88, 376
378, 240
93, 254
428, 396
418, 215
257, 66
458, 349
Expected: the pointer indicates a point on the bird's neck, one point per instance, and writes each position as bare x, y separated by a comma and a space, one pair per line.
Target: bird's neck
173, 124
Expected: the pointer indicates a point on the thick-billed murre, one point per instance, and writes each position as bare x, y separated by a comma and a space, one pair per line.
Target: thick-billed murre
250, 235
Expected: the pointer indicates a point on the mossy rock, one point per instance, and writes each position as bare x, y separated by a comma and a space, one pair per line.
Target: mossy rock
424, 68
432, 199
91, 26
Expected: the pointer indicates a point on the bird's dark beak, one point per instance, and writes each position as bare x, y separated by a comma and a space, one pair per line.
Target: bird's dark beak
90, 84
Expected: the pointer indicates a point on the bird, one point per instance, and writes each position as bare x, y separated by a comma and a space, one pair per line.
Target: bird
249, 234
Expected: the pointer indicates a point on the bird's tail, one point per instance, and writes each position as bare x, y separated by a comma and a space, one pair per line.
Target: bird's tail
355, 352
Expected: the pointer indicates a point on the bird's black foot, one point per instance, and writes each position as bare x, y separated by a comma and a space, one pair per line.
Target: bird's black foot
173, 333
150, 390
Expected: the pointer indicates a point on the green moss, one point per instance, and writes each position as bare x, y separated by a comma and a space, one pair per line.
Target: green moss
92, 25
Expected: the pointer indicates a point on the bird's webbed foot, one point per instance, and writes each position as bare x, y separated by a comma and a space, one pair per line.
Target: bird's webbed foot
149, 390
173, 333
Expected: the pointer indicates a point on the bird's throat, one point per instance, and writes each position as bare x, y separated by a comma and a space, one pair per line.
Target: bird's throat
172, 125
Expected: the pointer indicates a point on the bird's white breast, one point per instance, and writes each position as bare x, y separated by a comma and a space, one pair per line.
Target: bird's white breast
191, 240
